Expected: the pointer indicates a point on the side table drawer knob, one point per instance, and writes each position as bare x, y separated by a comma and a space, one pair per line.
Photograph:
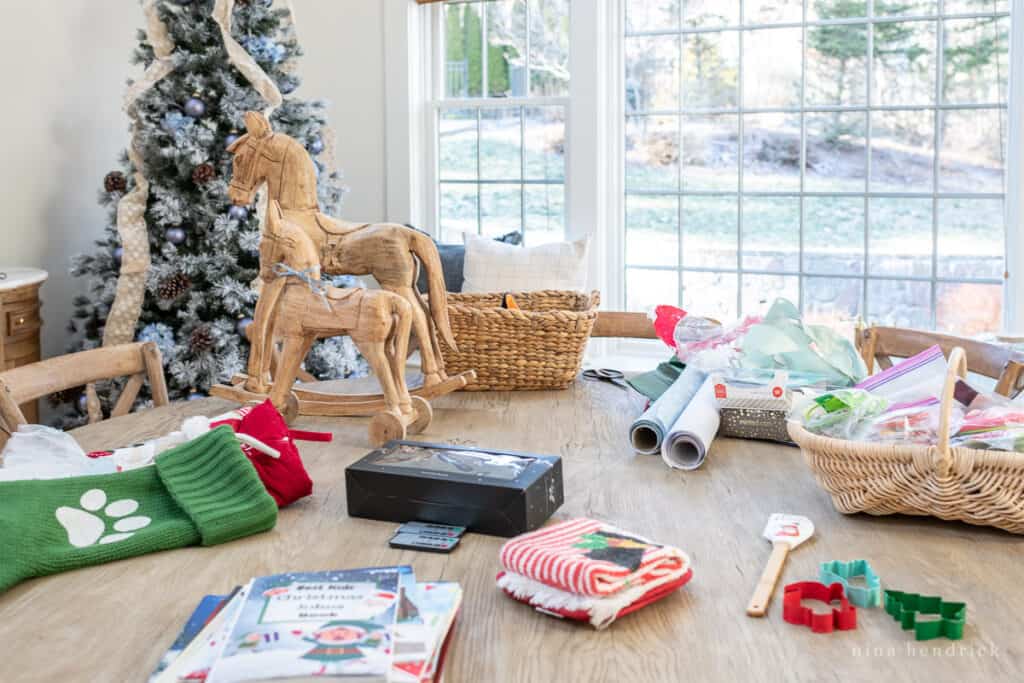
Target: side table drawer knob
23, 321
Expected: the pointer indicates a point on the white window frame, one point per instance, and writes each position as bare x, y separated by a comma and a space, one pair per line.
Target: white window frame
595, 124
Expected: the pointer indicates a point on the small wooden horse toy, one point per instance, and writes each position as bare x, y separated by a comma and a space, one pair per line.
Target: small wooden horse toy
391, 253
305, 308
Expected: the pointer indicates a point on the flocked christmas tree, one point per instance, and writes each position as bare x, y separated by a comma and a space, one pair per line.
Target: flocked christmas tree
204, 252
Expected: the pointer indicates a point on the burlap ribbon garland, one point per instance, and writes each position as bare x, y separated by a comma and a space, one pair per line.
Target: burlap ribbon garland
258, 79
131, 220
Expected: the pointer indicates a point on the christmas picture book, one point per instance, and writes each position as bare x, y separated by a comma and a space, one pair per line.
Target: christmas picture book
204, 612
371, 624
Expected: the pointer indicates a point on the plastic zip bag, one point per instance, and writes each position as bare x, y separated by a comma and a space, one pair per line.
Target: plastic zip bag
41, 452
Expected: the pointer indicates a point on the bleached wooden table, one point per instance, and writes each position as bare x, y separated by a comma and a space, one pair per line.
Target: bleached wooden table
113, 622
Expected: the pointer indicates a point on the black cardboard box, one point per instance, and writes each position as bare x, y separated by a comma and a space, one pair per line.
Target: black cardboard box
503, 493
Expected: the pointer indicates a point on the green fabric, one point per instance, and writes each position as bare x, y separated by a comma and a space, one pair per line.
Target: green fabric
199, 492
217, 487
656, 382
784, 341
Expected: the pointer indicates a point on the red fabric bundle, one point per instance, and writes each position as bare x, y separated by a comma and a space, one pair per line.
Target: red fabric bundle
285, 478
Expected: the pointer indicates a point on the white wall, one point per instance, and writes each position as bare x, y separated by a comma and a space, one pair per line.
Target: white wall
63, 126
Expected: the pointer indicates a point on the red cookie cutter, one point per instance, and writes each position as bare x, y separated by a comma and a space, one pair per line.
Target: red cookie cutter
843, 618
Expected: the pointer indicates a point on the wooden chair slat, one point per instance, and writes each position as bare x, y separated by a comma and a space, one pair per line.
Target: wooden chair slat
128, 395
623, 324
881, 344
155, 373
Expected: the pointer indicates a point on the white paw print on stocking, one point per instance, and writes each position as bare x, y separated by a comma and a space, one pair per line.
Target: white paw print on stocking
86, 526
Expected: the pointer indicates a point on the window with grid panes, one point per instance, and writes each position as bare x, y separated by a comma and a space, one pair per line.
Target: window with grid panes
501, 119
845, 154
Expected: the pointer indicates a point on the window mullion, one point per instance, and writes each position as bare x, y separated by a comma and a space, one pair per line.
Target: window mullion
803, 158
1013, 308
868, 146
940, 68
740, 152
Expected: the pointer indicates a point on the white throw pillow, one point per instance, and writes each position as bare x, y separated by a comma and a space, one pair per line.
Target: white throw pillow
498, 267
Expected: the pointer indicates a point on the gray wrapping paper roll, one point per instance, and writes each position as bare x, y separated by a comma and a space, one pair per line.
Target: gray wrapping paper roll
648, 432
690, 436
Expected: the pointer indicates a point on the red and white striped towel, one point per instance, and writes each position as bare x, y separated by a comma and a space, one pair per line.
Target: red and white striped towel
588, 557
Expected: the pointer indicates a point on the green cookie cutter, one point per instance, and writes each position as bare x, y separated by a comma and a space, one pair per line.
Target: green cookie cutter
837, 571
905, 608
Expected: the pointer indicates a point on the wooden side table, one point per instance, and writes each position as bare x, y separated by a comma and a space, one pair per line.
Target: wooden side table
20, 322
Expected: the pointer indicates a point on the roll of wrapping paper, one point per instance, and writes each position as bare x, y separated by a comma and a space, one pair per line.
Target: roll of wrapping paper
648, 432
687, 443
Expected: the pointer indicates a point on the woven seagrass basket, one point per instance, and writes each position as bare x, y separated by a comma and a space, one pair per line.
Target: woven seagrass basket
974, 486
539, 346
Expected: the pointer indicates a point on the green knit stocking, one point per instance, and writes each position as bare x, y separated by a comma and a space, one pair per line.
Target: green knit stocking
202, 492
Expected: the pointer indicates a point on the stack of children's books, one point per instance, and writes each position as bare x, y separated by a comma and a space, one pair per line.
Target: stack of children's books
373, 624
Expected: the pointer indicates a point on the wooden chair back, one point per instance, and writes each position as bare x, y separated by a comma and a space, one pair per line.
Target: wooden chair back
1001, 363
624, 325
138, 362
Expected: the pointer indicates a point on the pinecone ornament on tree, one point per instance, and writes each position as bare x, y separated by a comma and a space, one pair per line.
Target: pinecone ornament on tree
173, 286
201, 339
203, 173
115, 182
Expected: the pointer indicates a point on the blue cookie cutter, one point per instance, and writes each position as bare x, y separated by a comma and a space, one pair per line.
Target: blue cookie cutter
837, 571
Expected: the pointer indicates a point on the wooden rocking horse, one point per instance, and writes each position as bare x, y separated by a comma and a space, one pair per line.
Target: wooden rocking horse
391, 253
305, 309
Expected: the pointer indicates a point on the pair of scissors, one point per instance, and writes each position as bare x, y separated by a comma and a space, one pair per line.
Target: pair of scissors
606, 375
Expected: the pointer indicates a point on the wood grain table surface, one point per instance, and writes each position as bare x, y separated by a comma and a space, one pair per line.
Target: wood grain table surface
113, 622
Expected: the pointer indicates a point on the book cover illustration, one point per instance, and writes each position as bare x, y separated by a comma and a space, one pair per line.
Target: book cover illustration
334, 623
200, 616
426, 612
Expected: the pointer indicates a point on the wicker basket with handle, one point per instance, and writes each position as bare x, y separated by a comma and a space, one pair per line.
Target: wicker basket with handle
539, 346
974, 486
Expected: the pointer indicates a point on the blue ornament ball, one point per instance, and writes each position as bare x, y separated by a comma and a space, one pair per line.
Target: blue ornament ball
238, 213
118, 255
175, 236
316, 146
230, 140
195, 396
242, 325
83, 404
195, 107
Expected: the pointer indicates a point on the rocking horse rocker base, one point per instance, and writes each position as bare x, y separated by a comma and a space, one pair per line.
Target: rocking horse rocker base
325, 404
